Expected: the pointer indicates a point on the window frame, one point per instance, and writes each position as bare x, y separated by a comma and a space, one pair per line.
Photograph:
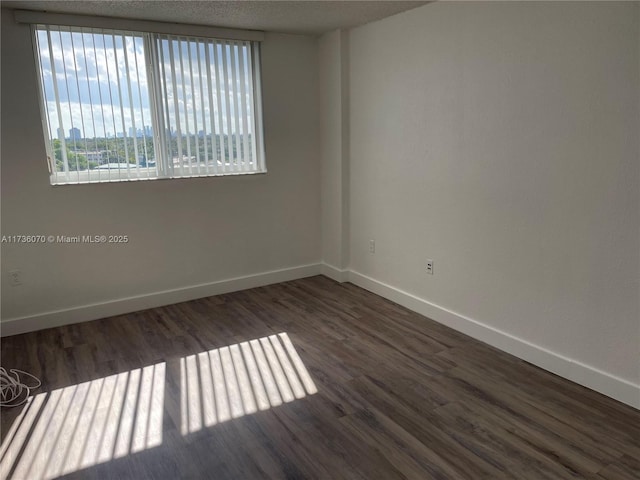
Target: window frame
152, 66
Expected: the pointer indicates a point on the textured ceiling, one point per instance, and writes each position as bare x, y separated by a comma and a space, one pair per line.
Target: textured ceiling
304, 17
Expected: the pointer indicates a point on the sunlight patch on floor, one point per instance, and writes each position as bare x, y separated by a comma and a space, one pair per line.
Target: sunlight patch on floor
240, 379
82, 425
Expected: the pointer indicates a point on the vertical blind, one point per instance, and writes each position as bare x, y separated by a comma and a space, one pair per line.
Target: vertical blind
122, 105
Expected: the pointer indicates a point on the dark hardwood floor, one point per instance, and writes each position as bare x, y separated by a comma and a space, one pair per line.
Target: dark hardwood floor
182, 392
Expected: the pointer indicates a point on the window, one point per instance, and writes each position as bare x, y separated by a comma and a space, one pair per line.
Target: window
122, 105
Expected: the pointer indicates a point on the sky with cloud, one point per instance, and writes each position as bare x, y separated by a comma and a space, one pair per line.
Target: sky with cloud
98, 82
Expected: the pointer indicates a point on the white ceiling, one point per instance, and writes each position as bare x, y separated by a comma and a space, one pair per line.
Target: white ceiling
303, 17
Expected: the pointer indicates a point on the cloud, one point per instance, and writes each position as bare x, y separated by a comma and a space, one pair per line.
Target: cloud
97, 82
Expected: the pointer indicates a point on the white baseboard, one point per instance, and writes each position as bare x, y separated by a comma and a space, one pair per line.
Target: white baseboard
334, 273
588, 376
84, 313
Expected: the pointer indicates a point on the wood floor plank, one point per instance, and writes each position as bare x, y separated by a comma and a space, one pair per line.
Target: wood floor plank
425, 425
626, 468
371, 390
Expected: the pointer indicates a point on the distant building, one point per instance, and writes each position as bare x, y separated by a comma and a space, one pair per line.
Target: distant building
135, 132
75, 134
95, 156
61, 133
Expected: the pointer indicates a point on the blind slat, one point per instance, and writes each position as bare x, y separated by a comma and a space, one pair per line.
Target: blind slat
104, 124
225, 80
176, 109
162, 117
212, 116
195, 113
93, 120
144, 124
202, 110
83, 127
254, 125
125, 140
46, 120
185, 109
243, 102
56, 90
219, 95
133, 116
257, 105
234, 103
113, 114
66, 84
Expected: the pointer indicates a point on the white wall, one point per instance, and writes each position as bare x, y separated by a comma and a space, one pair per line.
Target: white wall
182, 232
501, 140
334, 121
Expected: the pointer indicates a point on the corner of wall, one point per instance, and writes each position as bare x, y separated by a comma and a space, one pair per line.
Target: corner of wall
335, 147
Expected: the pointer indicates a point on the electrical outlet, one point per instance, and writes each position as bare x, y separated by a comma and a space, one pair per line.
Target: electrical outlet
430, 267
15, 278
372, 246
